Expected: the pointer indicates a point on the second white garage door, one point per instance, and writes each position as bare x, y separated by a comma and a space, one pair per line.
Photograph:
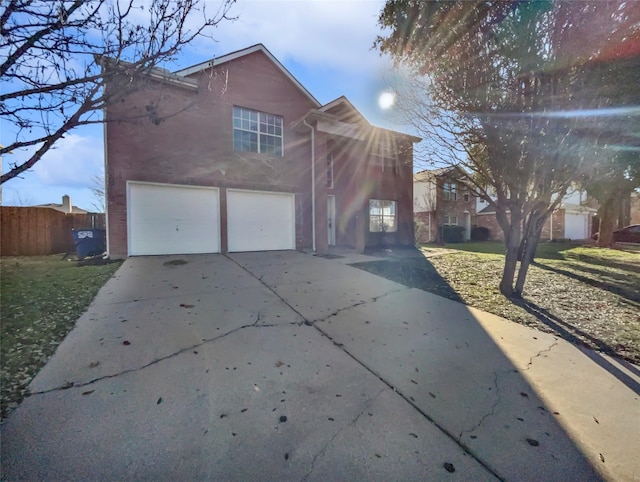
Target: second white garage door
260, 221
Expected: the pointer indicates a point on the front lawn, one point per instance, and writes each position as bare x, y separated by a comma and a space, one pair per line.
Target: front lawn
41, 298
589, 296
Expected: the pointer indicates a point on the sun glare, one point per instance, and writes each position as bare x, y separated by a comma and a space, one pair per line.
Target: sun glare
386, 100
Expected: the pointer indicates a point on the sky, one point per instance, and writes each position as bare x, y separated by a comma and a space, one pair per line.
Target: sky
325, 44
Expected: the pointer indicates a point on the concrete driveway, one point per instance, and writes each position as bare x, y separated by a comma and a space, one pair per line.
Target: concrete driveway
285, 366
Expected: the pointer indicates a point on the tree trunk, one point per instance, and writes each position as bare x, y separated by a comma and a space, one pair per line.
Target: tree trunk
607, 223
531, 238
512, 234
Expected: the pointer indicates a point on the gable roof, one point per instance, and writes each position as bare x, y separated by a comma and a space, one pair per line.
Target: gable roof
429, 173
242, 53
361, 119
343, 101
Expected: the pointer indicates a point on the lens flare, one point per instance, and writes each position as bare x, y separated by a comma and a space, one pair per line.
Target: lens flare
386, 100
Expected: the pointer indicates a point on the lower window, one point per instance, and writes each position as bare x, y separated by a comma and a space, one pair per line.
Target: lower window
382, 216
451, 220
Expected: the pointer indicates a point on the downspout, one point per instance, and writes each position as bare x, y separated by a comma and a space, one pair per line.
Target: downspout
551, 227
313, 184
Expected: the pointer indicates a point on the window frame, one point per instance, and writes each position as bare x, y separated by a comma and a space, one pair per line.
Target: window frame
263, 125
381, 216
330, 172
450, 191
448, 220
384, 154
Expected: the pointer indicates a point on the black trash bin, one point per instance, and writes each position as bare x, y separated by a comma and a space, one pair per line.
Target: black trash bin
89, 242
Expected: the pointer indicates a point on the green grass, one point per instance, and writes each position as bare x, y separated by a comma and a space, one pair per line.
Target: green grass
41, 298
587, 295
544, 250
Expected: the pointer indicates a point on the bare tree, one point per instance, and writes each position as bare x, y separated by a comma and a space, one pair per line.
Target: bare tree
492, 90
98, 190
20, 199
53, 54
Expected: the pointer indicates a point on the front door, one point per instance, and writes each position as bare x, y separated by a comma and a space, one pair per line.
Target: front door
467, 226
331, 219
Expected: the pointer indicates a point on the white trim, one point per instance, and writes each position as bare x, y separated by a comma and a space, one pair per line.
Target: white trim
241, 53
331, 216
313, 184
164, 184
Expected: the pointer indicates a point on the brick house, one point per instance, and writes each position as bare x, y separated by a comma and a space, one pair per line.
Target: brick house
573, 219
234, 154
440, 198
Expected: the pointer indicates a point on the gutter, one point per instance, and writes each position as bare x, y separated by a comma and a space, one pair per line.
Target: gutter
313, 184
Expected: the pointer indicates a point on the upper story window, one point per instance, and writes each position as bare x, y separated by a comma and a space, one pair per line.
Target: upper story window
466, 196
330, 171
450, 191
255, 131
384, 154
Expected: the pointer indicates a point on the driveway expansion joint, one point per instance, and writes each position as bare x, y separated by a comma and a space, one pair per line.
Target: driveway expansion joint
406, 398
304, 319
340, 430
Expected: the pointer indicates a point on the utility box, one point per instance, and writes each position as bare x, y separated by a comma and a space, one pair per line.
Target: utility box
89, 242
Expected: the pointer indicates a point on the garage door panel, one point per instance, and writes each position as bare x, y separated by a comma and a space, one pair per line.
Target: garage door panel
260, 221
165, 219
575, 226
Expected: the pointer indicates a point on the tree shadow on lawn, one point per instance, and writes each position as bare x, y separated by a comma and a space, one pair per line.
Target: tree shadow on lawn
414, 273
619, 284
632, 267
569, 332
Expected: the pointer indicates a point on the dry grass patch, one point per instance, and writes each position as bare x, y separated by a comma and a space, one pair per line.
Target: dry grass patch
41, 298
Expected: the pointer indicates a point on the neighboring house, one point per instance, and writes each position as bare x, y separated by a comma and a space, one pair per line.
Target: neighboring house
234, 154
440, 198
64, 207
571, 220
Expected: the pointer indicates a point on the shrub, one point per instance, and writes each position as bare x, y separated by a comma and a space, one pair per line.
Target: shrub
452, 234
480, 233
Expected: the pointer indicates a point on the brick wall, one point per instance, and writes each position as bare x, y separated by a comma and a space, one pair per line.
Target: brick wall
192, 145
490, 222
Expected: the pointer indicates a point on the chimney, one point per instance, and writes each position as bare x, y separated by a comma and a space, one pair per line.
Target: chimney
66, 204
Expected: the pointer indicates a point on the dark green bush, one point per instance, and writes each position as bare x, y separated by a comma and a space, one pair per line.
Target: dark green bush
452, 234
480, 233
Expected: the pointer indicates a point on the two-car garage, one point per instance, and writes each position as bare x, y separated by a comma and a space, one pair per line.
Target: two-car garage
176, 219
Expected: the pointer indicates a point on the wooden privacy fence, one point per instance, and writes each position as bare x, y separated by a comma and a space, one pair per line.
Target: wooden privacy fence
37, 231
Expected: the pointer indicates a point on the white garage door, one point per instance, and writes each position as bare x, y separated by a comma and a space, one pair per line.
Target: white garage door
260, 221
575, 226
170, 219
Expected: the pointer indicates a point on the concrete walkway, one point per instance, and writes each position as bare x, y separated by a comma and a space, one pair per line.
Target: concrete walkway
285, 366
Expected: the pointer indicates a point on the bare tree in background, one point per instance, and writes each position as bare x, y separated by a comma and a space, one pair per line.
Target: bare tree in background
98, 190
53, 52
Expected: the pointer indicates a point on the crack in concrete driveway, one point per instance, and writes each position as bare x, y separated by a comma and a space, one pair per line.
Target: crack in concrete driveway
71, 384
